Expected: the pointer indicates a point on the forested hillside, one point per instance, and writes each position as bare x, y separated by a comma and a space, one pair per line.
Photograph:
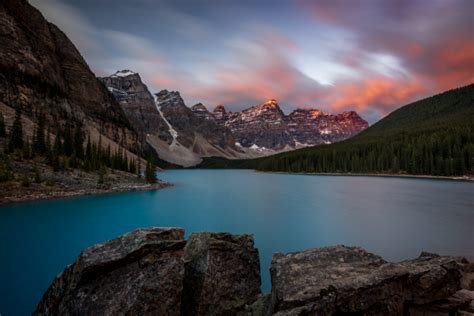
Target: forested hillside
433, 136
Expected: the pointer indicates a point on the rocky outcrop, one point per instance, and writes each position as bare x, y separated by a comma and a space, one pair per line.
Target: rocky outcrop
138, 273
154, 271
313, 127
222, 274
187, 124
264, 125
349, 280
137, 103
201, 111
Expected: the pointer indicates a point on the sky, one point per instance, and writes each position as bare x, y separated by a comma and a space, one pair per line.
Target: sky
371, 56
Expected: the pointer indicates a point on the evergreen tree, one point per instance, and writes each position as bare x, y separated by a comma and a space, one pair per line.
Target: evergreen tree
150, 172
102, 172
37, 175
48, 145
6, 173
78, 142
16, 133
58, 145
139, 167
3, 132
39, 143
26, 151
68, 142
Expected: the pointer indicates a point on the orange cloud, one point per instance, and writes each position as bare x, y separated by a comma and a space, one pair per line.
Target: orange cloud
383, 94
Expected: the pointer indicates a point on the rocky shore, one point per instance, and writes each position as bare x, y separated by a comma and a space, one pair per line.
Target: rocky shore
50, 195
74, 182
155, 271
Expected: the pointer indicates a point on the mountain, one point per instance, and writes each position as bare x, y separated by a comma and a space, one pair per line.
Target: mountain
183, 135
265, 126
42, 71
261, 126
64, 129
177, 134
314, 127
138, 104
433, 136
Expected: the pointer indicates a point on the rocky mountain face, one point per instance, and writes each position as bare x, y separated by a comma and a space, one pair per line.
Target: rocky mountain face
178, 134
187, 123
42, 71
266, 125
137, 103
183, 135
313, 127
155, 271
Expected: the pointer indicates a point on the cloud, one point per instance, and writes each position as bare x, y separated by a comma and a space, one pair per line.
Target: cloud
373, 56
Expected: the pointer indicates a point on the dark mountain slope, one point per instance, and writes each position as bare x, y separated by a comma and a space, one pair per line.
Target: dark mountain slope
42, 71
61, 131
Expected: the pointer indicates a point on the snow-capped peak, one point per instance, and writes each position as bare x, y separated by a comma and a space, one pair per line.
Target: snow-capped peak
123, 73
271, 103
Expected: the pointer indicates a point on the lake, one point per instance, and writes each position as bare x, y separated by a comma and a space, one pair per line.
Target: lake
396, 218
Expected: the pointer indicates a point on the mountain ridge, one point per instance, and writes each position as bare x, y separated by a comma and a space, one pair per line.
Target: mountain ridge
433, 136
259, 130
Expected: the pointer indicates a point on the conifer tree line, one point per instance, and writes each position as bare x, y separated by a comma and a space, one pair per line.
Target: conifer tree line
444, 153
67, 149
432, 136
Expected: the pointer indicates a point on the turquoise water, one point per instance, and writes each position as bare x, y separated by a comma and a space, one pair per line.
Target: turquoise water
396, 218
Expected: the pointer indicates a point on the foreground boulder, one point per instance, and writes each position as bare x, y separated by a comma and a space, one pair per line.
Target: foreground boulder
137, 273
154, 271
340, 280
222, 274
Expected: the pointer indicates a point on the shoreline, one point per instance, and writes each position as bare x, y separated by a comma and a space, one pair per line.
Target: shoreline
381, 175
56, 195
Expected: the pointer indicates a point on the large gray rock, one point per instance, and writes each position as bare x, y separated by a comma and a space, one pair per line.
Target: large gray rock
222, 274
153, 271
138, 273
332, 280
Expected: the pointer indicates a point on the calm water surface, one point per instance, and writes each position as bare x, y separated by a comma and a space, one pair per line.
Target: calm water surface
396, 218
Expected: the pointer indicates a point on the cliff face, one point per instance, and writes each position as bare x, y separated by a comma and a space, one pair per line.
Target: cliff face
137, 103
187, 124
154, 271
42, 71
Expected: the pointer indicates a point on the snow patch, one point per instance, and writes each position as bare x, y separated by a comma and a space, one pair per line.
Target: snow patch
172, 131
257, 148
326, 132
123, 73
